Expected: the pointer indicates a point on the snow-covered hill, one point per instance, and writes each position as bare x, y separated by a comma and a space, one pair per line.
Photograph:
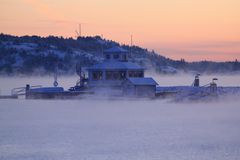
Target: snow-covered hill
42, 55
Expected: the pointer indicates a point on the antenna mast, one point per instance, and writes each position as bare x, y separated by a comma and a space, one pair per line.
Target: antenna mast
131, 40
131, 46
102, 45
80, 30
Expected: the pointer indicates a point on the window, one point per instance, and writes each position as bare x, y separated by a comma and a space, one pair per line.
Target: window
108, 56
124, 57
123, 75
135, 74
116, 56
109, 75
115, 75
97, 75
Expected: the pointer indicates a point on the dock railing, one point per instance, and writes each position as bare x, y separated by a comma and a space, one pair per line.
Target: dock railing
22, 90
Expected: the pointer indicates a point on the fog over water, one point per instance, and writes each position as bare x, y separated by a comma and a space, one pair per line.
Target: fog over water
7, 83
106, 130
187, 79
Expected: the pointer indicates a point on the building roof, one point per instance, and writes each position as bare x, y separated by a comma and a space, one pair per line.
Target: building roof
143, 81
116, 49
116, 65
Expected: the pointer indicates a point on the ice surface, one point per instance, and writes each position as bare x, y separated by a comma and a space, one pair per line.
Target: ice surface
119, 130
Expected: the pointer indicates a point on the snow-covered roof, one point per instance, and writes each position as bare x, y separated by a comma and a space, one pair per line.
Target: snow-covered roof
116, 49
143, 81
116, 65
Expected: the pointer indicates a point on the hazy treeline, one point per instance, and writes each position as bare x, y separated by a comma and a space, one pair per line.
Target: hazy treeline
42, 55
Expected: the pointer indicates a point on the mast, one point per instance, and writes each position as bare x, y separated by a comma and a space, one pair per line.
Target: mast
80, 30
131, 46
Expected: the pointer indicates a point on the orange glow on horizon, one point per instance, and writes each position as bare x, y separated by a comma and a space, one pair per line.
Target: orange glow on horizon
193, 30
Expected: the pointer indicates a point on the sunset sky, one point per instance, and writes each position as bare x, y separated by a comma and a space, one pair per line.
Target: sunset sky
189, 29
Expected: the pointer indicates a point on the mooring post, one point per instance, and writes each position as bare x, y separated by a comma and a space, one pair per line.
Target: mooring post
27, 91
